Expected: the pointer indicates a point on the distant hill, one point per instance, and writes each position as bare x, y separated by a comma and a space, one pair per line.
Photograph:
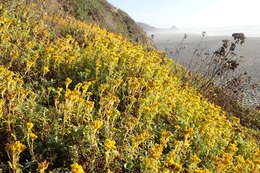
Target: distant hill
149, 28
174, 27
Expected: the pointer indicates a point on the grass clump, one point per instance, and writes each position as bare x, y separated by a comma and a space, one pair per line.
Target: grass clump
75, 97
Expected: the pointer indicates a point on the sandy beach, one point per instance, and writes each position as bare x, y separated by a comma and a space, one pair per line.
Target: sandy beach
250, 51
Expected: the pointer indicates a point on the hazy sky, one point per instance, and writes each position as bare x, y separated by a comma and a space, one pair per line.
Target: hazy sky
192, 13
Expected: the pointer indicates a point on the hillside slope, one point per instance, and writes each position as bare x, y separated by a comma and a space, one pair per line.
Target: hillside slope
147, 27
107, 16
76, 97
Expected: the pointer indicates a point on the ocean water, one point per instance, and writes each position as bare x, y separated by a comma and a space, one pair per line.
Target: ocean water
249, 31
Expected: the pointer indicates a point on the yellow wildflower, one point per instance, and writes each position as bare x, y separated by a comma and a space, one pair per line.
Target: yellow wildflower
141, 137
226, 158
90, 104
29, 63
195, 158
86, 85
202, 171
132, 120
9, 78
33, 135
233, 147
29, 125
42, 166
29, 45
103, 87
156, 151
67, 81
148, 162
110, 144
76, 168
166, 134
240, 159
78, 86
46, 69
15, 147
109, 112
174, 166
109, 171
235, 119
96, 124
34, 4
249, 162
1, 107
189, 131
177, 127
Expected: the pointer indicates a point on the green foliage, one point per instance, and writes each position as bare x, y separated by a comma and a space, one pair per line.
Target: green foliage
86, 9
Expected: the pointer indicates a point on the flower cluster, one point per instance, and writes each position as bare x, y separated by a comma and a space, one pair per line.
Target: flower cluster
16, 147
76, 168
110, 144
72, 91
